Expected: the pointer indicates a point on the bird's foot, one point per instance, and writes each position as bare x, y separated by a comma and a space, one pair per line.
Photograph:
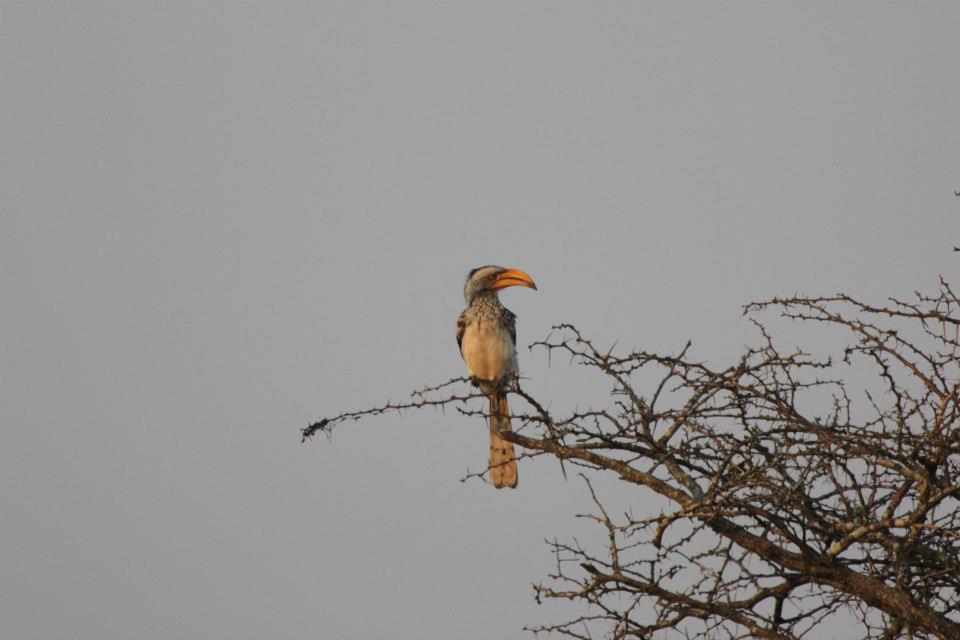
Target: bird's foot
506, 384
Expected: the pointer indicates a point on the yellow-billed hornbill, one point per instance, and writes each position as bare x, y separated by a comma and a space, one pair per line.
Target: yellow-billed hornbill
487, 336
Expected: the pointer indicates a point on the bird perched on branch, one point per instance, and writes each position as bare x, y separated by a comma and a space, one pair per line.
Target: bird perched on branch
487, 336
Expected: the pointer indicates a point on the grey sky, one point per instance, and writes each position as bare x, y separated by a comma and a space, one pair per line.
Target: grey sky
222, 220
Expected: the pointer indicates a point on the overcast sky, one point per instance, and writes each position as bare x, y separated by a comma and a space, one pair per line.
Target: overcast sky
221, 221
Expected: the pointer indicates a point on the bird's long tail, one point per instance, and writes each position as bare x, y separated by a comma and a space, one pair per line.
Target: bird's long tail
503, 458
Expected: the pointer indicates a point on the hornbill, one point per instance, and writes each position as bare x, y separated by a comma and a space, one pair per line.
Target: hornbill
487, 337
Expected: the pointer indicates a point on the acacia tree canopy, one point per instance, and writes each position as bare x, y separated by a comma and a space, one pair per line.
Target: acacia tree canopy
794, 497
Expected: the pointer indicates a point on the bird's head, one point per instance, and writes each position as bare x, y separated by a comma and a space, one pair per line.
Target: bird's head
489, 279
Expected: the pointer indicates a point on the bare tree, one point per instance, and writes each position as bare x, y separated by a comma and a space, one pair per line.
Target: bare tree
793, 497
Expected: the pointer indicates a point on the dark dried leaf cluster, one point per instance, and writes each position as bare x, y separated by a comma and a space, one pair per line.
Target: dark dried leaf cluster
794, 498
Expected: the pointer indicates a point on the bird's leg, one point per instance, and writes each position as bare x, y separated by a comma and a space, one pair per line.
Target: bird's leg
508, 383
475, 381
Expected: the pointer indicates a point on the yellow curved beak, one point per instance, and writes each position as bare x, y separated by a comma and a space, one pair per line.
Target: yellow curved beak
513, 278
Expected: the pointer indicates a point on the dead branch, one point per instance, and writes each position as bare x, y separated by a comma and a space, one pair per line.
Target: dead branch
798, 497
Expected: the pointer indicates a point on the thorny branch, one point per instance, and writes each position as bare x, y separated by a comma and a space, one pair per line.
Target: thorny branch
796, 496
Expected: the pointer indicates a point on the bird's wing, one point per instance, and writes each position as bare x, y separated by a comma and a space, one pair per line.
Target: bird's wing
461, 327
510, 322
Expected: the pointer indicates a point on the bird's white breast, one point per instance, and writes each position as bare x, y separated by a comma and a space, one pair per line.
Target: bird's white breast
488, 350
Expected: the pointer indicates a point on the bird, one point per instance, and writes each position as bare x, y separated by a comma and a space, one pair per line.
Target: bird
487, 338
